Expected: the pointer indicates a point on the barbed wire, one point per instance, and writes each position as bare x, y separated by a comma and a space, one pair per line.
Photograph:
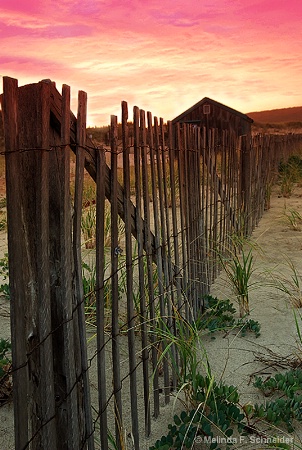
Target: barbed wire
121, 149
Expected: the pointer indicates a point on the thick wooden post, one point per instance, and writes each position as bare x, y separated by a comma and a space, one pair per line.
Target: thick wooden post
26, 120
16, 249
61, 278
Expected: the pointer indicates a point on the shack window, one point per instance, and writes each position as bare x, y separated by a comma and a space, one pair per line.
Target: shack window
206, 109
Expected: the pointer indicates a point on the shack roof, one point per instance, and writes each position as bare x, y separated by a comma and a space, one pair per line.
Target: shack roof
207, 100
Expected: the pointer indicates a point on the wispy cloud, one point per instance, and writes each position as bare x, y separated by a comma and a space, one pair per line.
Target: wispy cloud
163, 55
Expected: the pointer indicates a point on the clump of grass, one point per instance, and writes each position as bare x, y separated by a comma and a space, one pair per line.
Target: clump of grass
89, 289
89, 226
89, 281
239, 267
298, 324
289, 285
182, 339
286, 186
289, 174
89, 286
293, 219
88, 223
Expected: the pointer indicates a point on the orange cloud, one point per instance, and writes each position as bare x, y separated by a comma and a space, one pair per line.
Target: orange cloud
161, 55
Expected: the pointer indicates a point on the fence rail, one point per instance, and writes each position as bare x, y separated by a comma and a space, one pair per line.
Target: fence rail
181, 196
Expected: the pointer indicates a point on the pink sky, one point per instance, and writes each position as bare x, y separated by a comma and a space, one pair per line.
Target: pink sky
161, 55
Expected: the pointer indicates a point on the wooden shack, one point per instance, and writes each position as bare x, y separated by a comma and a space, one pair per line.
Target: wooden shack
212, 114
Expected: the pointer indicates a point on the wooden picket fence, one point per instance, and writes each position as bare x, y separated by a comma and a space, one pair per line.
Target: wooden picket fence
189, 191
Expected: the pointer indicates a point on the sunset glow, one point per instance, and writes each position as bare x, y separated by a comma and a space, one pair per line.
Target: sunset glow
163, 56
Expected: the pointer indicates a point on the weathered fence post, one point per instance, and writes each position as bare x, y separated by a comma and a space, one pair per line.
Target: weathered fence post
100, 307
140, 256
67, 387
79, 291
26, 119
117, 384
16, 249
129, 275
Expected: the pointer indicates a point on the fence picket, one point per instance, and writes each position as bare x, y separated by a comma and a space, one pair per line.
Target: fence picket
149, 259
173, 187
159, 154
100, 297
158, 258
140, 257
77, 254
182, 207
115, 252
131, 313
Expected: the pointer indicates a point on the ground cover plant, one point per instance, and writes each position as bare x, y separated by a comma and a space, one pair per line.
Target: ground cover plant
215, 414
219, 412
216, 410
287, 406
209, 407
220, 315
